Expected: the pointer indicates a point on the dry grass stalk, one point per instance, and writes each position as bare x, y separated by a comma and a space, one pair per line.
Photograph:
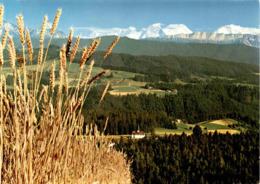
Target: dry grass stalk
56, 21
47, 145
111, 47
52, 76
29, 44
11, 56
86, 53
66, 83
75, 48
63, 59
19, 81
93, 48
11, 42
61, 76
43, 29
69, 43
3, 84
40, 55
4, 39
98, 76
104, 92
21, 28
1, 55
86, 78
1, 14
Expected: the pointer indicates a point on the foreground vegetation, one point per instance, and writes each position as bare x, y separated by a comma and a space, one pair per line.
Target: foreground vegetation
42, 139
199, 158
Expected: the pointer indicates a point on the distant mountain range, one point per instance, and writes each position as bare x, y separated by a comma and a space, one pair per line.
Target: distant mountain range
230, 34
35, 33
215, 38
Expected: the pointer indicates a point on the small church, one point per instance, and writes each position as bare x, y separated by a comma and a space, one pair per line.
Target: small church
138, 134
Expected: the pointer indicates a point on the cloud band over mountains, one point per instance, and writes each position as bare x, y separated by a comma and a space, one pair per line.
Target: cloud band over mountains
156, 30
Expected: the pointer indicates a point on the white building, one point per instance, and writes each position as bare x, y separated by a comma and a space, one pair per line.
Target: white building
138, 134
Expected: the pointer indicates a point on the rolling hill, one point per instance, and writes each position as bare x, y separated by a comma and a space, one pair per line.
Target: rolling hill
234, 52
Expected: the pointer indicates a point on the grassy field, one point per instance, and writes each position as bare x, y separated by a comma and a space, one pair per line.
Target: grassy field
121, 82
221, 126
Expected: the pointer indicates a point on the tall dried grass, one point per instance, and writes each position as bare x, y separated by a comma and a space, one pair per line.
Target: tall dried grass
41, 136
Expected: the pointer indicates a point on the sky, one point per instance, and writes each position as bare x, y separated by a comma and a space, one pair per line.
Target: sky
197, 15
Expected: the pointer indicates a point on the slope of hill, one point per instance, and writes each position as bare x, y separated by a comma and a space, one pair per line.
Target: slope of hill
234, 52
179, 66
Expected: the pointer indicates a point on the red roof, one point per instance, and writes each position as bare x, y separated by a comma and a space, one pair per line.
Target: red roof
138, 133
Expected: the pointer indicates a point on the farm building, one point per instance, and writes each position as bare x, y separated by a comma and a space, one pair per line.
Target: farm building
138, 134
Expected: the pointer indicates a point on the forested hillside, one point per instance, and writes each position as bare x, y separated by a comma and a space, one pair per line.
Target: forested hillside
170, 67
192, 104
200, 158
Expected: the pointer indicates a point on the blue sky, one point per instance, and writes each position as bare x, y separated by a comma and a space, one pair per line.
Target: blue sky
197, 15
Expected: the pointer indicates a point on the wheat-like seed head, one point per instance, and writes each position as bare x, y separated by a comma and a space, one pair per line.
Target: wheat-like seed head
29, 44
55, 22
75, 48
20, 94
78, 103
21, 28
40, 55
19, 81
4, 38
45, 93
88, 51
3, 84
1, 55
11, 42
86, 78
43, 29
104, 92
82, 62
52, 76
111, 47
94, 48
11, 51
61, 76
66, 83
1, 14
69, 43
63, 58
98, 76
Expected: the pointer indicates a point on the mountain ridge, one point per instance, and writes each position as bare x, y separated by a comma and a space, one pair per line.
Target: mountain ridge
214, 38
228, 52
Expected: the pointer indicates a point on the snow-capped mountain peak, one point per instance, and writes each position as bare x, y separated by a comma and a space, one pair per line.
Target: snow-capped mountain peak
154, 30
235, 29
174, 29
